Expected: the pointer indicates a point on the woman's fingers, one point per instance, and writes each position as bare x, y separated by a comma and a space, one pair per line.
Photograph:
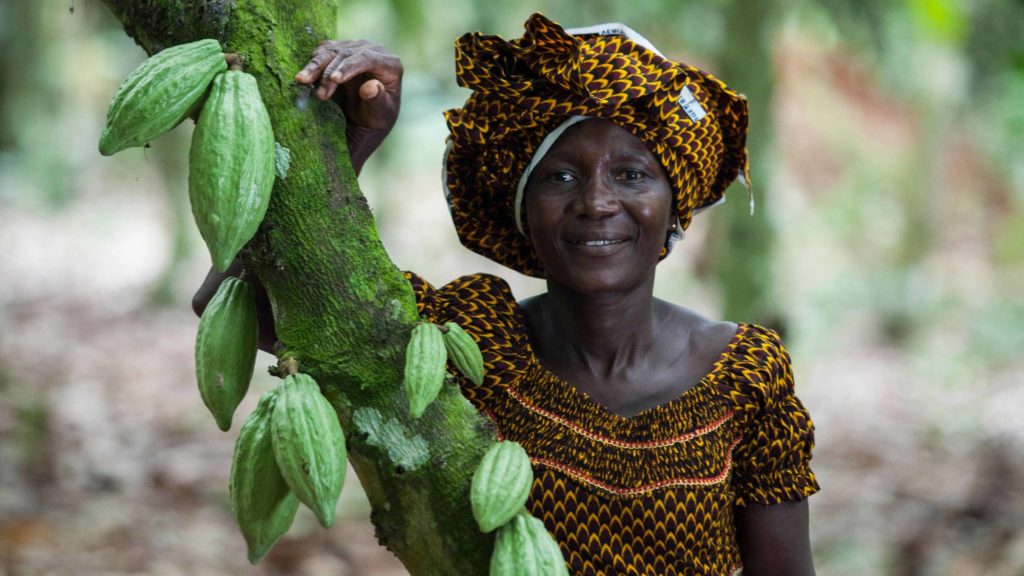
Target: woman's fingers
369, 76
342, 70
378, 65
325, 55
322, 56
331, 78
337, 62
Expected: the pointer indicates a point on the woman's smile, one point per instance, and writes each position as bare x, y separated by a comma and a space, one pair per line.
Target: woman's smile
598, 243
590, 243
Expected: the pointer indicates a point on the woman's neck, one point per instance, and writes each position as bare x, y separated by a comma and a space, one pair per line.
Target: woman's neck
599, 333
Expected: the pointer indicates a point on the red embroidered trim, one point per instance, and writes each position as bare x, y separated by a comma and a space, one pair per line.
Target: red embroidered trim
612, 441
588, 479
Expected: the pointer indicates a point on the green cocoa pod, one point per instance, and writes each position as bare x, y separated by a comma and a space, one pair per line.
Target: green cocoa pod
525, 548
425, 359
501, 485
231, 165
159, 94
464, 353
309, 446
226, 349
260, 498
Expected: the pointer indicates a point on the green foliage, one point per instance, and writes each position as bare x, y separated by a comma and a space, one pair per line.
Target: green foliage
997, 333
942, 20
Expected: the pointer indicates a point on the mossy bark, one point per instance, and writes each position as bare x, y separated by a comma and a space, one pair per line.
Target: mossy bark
341, 307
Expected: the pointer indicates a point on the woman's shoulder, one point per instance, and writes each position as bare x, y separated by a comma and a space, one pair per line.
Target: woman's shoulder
752, 362
761, 347
480, 303
704, 340
472, 290
744, 341
479, 279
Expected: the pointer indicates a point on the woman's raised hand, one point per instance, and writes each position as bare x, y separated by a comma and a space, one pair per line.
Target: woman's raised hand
364, 78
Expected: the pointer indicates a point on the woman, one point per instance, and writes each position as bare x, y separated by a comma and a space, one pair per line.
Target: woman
662, 442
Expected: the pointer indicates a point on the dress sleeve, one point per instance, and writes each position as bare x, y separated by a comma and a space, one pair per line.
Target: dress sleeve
771, 460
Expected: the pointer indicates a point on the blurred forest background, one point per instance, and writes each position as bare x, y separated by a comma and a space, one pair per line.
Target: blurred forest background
887, 245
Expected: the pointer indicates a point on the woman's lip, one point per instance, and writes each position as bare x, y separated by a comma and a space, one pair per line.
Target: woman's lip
597, 238
598, 242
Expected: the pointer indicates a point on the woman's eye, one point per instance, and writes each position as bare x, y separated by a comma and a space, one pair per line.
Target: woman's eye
631, 175
560, 176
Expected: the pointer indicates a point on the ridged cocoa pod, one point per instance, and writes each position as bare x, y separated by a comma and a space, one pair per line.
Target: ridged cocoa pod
160, 93
231, 165
464, 353
501, 485
226, 349
309, 445
525, 548
260, 498
425, 359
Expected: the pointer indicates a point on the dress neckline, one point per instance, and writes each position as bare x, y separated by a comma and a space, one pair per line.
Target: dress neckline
554, 392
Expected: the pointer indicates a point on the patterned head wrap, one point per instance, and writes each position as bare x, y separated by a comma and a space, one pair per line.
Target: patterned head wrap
525, 89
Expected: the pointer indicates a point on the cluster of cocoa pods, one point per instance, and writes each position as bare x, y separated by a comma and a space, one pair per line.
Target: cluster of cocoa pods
426, 357
498, 494
291, 448
501, 483
231, 161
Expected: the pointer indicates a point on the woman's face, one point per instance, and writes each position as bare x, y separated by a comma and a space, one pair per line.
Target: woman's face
598, 207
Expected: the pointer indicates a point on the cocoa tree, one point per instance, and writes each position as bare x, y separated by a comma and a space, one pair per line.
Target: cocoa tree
341, 308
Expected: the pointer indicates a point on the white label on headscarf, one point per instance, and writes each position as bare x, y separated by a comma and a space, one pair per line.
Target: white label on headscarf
615, 29
691, 106
610, 29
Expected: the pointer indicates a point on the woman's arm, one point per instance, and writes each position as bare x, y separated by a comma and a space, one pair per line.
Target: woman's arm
366, 81
774, 540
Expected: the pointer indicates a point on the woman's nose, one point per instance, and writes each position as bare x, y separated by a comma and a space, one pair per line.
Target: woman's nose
596, 199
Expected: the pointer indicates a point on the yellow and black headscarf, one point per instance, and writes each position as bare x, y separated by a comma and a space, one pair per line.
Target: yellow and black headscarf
525, 89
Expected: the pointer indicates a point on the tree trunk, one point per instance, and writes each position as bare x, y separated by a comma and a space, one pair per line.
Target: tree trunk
747, 244
341, 307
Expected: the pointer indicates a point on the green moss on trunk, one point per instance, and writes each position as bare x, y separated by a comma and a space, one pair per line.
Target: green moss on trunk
340, 305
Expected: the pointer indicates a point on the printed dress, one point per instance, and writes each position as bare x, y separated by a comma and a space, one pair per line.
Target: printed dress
653, 494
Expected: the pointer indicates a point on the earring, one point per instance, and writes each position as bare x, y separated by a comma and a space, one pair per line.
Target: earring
674, 235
